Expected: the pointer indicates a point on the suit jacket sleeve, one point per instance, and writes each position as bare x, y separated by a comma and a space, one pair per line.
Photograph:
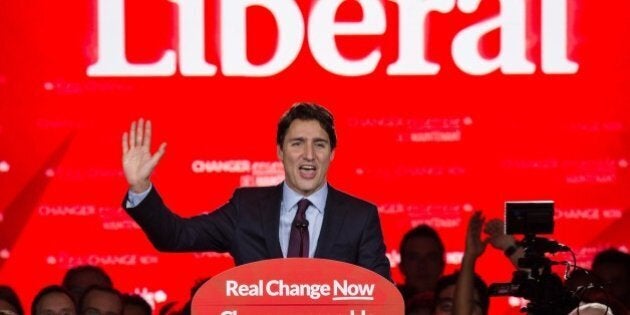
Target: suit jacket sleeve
169, 232
371, 254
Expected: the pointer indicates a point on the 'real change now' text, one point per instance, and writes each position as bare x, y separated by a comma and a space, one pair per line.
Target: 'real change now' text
339, 290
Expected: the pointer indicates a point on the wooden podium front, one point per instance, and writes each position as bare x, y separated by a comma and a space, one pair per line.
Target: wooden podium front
298, 286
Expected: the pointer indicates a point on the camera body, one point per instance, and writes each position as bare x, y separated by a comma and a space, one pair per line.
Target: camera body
534, 280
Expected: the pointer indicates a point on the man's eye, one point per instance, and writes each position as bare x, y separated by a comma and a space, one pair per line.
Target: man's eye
446, 307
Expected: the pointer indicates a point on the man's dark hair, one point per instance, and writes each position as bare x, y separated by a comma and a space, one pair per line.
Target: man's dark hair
95, 276
307, 111
613, 256
48, 290
422, 231
95, 271
8, 295
134, 299
479, 286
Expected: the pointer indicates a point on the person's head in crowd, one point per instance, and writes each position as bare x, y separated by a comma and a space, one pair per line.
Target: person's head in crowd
445, 292
78, 279
306, 142
187, 309
53, 300
420, 304
612, 269
421, 259
101, 301
134, 304
10, 302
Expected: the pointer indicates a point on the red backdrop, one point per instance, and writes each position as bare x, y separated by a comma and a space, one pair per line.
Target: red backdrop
540, 116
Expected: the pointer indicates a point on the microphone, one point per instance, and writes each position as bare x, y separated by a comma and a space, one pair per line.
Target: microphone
301, 224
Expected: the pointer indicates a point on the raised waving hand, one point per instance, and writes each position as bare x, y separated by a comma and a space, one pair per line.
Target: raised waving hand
137, 160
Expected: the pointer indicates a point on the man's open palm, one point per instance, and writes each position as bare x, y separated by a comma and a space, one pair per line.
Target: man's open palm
138, 162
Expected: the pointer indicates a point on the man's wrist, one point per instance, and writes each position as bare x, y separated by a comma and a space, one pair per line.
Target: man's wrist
133, 199
140, 187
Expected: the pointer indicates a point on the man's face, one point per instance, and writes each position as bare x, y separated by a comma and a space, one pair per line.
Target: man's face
445, 302
422, 263
98, 302
55, 303
306, 155
614, 279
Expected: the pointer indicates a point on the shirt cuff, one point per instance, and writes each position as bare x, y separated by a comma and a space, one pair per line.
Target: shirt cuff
133, 199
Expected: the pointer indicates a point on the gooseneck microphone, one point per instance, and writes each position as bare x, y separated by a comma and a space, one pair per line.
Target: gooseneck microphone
301, 224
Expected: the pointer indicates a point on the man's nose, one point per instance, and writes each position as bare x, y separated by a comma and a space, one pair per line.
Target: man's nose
308, 152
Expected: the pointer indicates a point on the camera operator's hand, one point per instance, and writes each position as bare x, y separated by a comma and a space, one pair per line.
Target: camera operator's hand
501, 241
498, 239
137, 160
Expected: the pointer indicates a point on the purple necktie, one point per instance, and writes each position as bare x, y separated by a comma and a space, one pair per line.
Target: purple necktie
298, 242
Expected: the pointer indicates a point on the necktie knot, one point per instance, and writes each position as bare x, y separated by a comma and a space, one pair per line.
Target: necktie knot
302, 206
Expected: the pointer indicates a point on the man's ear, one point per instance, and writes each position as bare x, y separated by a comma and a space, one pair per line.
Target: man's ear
332, 155
279, 152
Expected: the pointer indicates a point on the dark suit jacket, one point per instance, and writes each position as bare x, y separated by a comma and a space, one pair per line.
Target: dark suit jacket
247, 227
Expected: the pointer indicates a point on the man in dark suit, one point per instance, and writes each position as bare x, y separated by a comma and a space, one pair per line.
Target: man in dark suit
303, 216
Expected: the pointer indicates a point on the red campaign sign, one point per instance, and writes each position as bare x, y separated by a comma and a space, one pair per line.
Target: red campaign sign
298, 286
320, 33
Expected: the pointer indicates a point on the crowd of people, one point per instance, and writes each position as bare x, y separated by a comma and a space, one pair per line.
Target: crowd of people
84, 290
605, 289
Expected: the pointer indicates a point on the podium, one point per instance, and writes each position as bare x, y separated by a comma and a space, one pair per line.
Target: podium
297, 286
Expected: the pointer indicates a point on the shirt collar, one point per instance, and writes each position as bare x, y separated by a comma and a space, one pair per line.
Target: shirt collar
290, 197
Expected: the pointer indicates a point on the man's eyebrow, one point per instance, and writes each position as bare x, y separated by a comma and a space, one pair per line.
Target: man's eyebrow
321, 140
304, 139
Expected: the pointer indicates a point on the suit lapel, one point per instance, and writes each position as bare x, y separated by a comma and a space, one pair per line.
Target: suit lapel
334, 215
270, 208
